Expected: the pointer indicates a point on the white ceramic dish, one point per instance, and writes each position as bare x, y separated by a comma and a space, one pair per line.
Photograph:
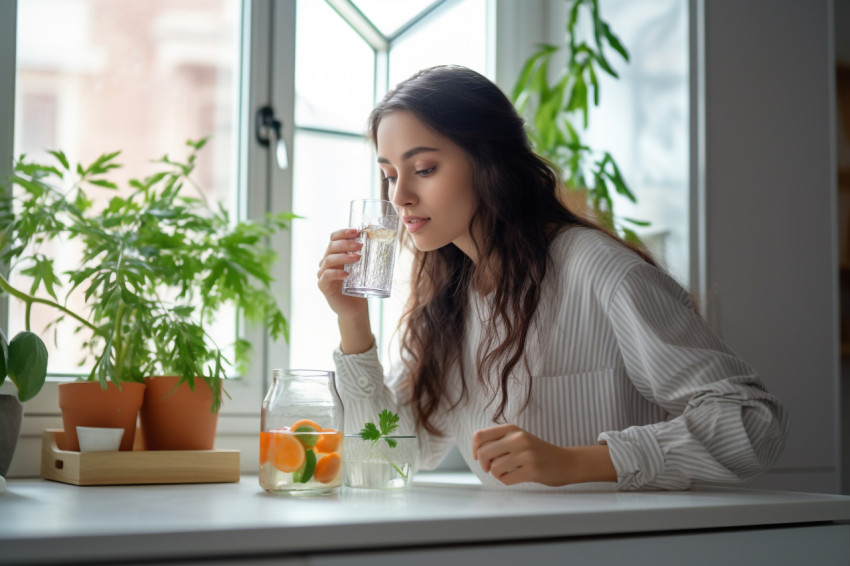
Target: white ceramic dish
93, 439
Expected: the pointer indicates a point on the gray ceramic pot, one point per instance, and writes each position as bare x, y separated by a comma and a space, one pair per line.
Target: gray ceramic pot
11, 415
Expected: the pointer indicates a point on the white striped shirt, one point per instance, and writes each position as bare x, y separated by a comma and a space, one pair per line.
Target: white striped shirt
618, 356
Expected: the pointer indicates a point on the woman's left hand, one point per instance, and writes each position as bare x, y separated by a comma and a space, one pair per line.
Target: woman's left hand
513, 455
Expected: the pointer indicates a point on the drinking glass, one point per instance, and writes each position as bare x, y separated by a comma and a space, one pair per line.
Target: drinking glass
372, 274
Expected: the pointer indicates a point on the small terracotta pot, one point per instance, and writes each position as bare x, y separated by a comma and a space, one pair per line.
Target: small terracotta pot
176, 417
84, 403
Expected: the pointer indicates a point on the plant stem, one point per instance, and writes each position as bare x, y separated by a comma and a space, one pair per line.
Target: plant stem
402, 474
29, 299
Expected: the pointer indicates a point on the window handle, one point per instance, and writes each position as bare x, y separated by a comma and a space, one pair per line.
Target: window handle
266, 125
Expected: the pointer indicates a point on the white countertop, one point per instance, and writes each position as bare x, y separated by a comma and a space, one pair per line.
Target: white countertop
43, 521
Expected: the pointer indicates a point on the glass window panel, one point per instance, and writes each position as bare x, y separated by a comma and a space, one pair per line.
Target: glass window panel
390, 15
453, 34
334, 71
648, 108
329, 171
142, 77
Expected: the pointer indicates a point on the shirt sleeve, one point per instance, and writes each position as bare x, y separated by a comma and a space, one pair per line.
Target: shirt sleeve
365, 392
724, 426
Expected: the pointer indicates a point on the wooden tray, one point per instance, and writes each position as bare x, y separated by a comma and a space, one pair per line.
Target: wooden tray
135, 467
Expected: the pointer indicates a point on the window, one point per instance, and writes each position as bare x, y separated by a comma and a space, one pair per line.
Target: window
141, 78
93, 76
368, 46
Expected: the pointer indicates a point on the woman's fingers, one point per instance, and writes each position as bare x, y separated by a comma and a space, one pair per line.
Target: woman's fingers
488, 435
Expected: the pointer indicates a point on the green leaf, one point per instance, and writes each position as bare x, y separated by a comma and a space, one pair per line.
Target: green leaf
391, 442
42, 271
27, 365
632, 237
614, 41
103, 164
388, 422
643, 223
103, 183
197, 145
60, 156
370, 432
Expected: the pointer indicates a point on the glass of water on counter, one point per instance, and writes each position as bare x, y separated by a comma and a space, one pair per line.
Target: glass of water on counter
372, 274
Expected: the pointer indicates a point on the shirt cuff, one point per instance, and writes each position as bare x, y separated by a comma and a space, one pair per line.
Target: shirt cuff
636, 456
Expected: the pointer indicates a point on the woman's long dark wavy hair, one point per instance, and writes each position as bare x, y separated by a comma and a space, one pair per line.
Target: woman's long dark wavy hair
518, 212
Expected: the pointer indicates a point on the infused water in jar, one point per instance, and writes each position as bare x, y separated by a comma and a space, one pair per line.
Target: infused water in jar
301, 436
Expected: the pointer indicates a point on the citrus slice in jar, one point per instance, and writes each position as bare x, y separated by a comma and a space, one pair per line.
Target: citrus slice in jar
327, 468
286, 452
328, 441
307, 435
304, 474
306, 422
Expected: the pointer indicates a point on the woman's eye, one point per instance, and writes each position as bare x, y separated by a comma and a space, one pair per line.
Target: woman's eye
388, 179
425, 172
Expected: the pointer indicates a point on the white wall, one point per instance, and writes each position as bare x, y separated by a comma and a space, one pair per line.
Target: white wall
770, 250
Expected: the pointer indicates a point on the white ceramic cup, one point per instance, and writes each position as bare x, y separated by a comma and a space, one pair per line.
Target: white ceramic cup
94, 439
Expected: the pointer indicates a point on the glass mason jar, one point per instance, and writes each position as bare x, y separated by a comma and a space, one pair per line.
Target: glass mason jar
301, 434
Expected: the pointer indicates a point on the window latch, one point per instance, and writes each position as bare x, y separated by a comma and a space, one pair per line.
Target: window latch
267, 125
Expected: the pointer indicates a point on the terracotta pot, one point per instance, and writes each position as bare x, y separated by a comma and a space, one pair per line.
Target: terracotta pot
84, 403
11, 415
176, 417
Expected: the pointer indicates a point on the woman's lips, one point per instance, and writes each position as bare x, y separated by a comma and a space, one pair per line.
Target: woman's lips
415, 223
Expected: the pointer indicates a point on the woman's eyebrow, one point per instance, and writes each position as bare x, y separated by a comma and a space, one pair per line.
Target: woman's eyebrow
409, 153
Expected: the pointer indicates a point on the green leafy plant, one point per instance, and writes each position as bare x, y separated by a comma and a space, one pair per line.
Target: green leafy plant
556, 102
387, 424
156, 265
24, 362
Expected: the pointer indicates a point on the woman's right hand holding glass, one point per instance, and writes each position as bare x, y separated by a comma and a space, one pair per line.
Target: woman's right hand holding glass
352, 312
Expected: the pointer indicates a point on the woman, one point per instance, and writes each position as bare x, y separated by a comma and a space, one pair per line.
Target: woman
546, 349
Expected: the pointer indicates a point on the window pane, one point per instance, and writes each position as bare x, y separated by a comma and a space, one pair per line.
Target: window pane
334, 71
95, 76
329, 171
648, 108
390, 15
453, 34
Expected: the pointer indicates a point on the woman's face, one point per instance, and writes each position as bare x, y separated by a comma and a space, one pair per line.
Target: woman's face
429, 180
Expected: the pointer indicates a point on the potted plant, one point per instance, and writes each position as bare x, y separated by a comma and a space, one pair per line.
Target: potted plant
157, 262
24, 362
556, 102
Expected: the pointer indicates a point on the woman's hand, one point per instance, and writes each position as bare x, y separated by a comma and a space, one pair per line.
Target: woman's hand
513, 456
341, 250
352, 312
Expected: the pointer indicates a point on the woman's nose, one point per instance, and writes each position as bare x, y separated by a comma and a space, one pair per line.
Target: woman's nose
401, 196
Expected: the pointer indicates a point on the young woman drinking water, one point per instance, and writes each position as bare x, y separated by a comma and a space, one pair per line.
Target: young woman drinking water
548, 350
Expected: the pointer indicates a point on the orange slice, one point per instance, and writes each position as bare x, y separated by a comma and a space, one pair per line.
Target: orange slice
327, 468
328, 441
265, 442
285, 452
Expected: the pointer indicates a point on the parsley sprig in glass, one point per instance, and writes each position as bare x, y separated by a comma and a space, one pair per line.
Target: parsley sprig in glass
387, 424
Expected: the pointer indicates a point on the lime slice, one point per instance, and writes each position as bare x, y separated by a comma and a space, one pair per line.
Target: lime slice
306, 435
380, 234
306, 472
